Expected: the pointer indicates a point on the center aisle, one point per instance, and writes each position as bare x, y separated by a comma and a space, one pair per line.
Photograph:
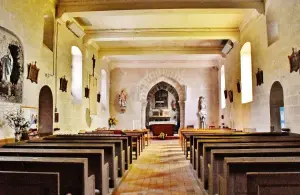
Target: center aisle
160, 170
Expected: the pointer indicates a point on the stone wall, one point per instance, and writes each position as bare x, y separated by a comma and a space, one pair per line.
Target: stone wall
191, 84
273, 60
26, 20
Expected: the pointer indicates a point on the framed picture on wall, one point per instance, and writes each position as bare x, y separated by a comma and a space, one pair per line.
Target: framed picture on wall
33, 72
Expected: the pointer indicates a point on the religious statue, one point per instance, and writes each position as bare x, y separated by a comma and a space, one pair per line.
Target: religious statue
123, 100
294, 60
7, 66
202, 112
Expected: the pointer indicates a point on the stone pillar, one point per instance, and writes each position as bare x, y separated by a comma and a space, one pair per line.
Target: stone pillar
143, 113
182, 113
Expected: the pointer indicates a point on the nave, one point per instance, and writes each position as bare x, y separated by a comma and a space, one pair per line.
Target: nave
161, 169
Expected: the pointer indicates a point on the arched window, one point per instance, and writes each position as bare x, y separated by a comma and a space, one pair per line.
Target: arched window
103, 88
246, 73
76, 74
223, 101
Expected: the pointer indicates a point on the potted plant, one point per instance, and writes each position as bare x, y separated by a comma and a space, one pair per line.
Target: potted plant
162, 135
17, 121
112, 122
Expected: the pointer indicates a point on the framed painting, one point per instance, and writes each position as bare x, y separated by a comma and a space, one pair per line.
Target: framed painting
33, 72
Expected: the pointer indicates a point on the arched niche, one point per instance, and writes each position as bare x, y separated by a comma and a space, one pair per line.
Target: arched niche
45, 111
276, 101
163, 88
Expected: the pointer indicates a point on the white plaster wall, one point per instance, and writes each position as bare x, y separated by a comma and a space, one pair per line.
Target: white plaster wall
26, 20
273, 60
198, 82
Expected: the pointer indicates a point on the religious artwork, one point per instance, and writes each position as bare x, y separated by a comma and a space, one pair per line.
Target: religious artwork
33, 72
123, 100
11, 67
202, 112
230, 94
294, 59
238, 86
63, 84
173, 105
259, 77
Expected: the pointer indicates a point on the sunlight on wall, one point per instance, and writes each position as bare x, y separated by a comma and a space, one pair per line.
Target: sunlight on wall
223, 101
246, 73
76, 74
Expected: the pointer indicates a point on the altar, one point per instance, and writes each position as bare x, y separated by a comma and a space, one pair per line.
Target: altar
166, 127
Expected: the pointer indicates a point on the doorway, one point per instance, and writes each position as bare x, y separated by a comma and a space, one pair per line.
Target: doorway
276, 103
45, 111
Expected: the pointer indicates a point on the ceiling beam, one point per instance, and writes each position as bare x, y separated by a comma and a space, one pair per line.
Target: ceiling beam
67, 6
158, 51
161, 34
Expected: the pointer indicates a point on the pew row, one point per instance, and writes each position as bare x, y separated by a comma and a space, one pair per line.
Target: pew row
120, 153
109, 153
29, 183
96, 165
126, 141
234, 180
218, 158
73, 172
266, 183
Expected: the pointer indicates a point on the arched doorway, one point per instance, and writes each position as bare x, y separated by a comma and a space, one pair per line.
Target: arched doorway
163, 96
276, 102
45, 111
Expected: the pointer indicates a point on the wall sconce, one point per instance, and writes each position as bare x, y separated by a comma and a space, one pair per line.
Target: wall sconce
63, 84
98, 97
259, 77
225, 94
238, 86
86, 92
230, 94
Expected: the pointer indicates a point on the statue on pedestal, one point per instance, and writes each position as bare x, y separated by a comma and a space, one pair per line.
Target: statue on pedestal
202, 112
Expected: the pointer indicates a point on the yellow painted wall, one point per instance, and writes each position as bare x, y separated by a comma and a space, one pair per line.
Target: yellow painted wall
25, 18
273, 60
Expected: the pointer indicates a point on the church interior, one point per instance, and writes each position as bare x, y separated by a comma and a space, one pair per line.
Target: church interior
149, 97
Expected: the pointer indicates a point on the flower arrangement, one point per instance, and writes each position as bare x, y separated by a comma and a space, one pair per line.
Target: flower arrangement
17, 121
162, 135
112, 121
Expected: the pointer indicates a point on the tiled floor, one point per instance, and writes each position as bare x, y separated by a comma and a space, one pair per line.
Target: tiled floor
160, 170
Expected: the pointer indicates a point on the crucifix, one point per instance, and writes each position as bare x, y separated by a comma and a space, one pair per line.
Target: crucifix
94, 63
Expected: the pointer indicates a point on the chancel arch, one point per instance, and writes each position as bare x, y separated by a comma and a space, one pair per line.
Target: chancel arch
276, 103
45, 111
154, 78
163, 105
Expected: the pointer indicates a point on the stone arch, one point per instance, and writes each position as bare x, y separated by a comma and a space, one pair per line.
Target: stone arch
166, 87
276, 101
45, 111
171, 77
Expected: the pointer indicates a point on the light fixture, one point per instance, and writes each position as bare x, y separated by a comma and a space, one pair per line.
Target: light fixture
75, 29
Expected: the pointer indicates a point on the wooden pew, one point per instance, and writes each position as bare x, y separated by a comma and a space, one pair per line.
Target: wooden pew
234, 180
96, 165
138, 141
111, 157
254, 139
218, 156
194, 138
29, 183
120, 152
126, 140
205, 158
73, 172
266, 183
